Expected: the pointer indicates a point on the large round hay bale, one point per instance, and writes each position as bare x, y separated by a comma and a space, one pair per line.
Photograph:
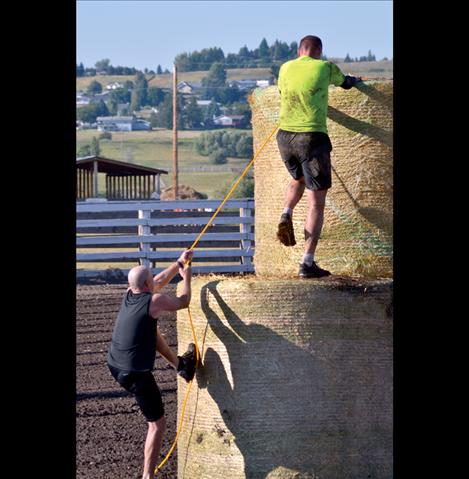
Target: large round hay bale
357, 233
296, 380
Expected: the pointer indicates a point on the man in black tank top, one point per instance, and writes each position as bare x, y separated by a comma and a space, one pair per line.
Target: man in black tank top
135, 340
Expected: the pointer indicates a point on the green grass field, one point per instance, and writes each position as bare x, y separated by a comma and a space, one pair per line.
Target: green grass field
154, 149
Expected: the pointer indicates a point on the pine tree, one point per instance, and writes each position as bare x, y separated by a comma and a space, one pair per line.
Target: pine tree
264, 51
159, 70
293, 49
94, 87
193, 114
102, 65
80, 70
139, 96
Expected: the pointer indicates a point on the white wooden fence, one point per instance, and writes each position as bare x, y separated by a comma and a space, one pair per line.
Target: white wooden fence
151, 239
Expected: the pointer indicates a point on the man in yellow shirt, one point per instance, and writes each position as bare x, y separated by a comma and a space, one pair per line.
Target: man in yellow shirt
304, 144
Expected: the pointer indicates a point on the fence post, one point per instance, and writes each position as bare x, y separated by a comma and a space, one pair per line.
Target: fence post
144, 230
245, 228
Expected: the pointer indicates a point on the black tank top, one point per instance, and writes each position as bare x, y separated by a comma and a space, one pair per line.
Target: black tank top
133, 344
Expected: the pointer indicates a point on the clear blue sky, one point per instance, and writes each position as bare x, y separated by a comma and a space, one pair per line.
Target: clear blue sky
147, 33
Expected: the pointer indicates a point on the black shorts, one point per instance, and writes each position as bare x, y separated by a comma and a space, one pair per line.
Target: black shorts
143, 386
307, 155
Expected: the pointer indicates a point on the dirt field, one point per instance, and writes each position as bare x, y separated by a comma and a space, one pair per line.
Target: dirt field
110, 428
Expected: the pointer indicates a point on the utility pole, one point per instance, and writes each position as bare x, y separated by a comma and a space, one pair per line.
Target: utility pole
175, 135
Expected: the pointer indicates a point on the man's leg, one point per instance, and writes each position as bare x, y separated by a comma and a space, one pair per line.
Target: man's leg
165, 351
285, 232
313, 227
294, 193
156, 430
314, 219
184, 365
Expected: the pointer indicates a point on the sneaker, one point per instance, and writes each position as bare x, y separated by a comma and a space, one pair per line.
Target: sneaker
187, 363
285, 232
313, 271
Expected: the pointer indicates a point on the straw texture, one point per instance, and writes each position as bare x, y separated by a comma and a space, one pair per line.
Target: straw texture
296, 380
357, 234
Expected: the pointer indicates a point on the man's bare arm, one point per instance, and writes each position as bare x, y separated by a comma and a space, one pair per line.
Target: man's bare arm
162, 279
163, 302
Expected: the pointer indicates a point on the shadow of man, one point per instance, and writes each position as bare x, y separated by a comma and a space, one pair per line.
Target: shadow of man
382, 220
360, 126
280, 409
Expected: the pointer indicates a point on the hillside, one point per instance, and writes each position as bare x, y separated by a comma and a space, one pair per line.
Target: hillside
165, 80
383, 69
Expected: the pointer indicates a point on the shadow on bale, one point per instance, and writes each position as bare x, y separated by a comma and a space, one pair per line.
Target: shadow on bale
360, 126
376, 216
278, 409
375, 94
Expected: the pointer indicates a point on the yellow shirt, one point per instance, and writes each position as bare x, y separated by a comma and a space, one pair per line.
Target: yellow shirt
304, 87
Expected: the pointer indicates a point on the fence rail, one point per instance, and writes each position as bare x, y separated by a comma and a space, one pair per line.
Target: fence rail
156, 231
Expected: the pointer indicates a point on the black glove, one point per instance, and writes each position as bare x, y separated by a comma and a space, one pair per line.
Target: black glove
350, 81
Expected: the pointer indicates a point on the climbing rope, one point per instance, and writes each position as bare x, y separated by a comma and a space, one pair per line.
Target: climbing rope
194, 244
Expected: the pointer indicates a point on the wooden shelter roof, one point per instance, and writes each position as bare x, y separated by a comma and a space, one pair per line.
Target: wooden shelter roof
115, 167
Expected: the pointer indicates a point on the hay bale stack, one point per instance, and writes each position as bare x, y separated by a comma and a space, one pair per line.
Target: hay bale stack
296, 381
184, 193
357, 233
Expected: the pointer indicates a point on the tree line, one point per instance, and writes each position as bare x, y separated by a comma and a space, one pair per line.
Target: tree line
104, 67
368, 58
263, 56
219, 145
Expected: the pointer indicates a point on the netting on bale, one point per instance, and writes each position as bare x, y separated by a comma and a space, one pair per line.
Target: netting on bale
357, 233
296, 379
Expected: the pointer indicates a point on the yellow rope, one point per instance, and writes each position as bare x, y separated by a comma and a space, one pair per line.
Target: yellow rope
194, 244
233, 188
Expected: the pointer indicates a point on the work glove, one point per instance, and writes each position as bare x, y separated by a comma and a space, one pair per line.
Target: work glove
350, 81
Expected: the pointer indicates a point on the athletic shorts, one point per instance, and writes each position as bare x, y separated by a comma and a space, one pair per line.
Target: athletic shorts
307, 155
143, 386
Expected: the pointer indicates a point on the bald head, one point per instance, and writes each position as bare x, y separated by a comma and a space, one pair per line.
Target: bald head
311, 46
138, 276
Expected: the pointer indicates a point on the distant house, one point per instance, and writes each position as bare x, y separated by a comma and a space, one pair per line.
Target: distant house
263, 83
141, 124
243, 84
83, 99
204, 103
81, 125
188, 88
114, 86
100, 96
229, 120
249, 84
122, 123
